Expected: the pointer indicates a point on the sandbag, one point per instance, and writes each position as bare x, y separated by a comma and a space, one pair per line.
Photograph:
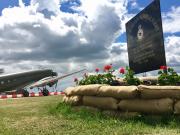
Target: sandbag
73, 100
177, 107
154, 106
156, 92
100, 102
68, 91
121, 92
149, 80
84, 90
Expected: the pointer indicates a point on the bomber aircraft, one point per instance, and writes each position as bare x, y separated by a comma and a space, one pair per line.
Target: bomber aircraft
31, 79
50, 81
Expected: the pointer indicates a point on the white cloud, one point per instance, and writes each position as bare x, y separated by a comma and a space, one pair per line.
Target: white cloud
21, 4
61, 39
171, 20
50, 5
172, 47
65, 42
119, 55
133, 4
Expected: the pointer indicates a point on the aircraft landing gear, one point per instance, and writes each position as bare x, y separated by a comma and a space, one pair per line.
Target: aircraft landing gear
45, 92
25, 93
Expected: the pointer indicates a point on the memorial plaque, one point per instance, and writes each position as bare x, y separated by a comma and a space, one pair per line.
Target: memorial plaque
145, 40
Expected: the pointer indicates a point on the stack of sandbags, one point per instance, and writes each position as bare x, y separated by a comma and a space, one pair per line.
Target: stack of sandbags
88, 90
177, 107
157, 92
160, 92
107, 103
153, 106
119, 92
73, 95
153, 99
101, 96
108, 97
145, 99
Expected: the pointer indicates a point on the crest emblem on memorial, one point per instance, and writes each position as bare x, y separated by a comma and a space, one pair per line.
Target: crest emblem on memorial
140, 33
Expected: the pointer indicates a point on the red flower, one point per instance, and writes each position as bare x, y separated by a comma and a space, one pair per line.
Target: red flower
163, 67
97, 70
122, 70
75, 79
107, 67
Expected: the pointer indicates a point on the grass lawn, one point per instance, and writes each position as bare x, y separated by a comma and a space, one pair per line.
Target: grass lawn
47, 115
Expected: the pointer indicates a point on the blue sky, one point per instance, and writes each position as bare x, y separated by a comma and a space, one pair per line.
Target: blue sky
165, 4
66, 35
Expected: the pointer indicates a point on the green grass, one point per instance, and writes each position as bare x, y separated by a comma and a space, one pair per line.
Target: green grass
48, 115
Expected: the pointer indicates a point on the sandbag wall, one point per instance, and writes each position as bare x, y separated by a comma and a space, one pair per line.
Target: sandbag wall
143, 99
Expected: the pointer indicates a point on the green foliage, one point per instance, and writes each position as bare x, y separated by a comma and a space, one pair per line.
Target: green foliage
130, 79
168, 77
107, 78
76, 112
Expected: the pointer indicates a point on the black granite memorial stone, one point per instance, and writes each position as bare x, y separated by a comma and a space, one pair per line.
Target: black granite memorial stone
145, 39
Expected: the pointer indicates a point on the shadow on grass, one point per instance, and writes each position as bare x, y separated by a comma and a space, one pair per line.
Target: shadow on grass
69, 112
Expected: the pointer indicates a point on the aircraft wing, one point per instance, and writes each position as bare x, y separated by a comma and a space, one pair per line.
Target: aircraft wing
51, 80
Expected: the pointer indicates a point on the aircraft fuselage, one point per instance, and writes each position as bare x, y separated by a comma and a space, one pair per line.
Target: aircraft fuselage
20, 80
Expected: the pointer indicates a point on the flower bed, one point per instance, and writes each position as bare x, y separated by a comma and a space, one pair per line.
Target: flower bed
167, 76
151, 95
